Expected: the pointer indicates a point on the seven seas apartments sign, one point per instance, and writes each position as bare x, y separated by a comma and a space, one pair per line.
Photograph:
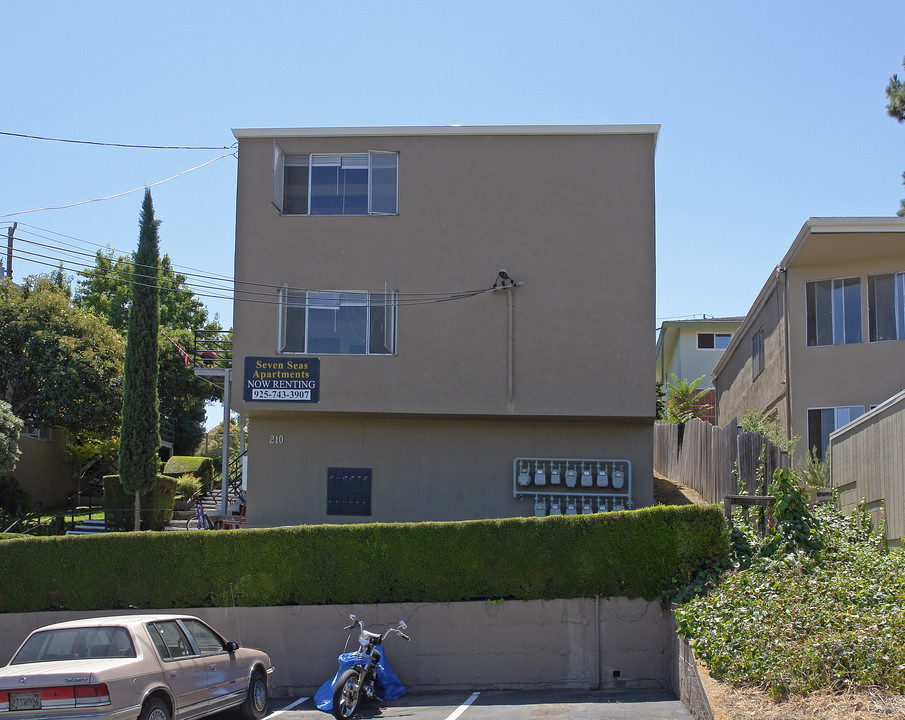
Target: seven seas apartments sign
282, 379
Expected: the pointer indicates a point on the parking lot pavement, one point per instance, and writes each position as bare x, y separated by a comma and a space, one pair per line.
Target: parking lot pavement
506, 705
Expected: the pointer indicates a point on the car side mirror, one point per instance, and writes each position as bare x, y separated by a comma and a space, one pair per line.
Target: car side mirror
232, 646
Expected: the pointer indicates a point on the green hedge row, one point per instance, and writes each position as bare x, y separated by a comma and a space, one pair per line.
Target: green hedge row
633, 554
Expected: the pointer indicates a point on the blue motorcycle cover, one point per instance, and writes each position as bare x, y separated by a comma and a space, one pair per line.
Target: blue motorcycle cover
387, 685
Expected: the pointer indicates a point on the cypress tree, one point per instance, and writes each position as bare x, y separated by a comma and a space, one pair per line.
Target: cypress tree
139, 439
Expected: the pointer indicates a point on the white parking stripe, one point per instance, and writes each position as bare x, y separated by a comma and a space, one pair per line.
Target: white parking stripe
464, 706
288, 707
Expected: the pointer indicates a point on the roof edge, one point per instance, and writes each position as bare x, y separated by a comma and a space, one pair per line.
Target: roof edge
389, 131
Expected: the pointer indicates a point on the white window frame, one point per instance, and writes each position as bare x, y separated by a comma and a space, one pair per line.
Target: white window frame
303, 299
281, 160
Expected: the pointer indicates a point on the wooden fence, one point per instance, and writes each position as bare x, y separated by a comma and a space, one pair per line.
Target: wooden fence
715, 461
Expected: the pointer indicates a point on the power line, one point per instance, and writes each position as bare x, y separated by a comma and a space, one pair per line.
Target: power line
246, 296
269, 288
116, 195
118, 145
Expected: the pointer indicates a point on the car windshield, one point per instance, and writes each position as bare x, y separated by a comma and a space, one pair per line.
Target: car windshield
75, 644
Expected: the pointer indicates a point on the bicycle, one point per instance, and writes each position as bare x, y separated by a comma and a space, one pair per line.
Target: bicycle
201, 521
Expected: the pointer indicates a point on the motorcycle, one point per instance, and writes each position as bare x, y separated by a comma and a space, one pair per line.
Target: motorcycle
362, 675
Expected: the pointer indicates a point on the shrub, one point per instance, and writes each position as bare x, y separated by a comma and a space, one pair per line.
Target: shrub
798, 621
201, 467
633, 554
156, 504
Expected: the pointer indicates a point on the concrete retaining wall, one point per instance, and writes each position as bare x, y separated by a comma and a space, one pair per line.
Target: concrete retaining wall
578, 643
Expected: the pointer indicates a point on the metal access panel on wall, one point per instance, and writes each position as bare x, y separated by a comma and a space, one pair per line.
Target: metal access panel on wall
348, 491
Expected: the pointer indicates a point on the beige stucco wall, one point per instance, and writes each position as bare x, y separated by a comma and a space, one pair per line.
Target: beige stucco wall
559, 366
570, 216
862, 373
579, 643
737, 390
438, 470
43, 469
865, 373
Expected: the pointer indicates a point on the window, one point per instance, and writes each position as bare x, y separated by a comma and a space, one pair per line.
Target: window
886, 306
169, 639
206, 639
348, 491
348, 184
338, 323
823, 421
37, 432
757, 353
833, 312
713, 341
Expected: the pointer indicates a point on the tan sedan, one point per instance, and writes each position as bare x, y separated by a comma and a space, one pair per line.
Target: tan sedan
144, 667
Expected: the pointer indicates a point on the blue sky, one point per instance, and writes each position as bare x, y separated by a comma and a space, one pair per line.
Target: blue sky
771, 112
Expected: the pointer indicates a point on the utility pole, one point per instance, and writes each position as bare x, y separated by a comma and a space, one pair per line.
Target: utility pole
9, 249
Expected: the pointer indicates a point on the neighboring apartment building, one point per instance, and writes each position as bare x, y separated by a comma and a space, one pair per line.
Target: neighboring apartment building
689, 349
823, 341
383, 376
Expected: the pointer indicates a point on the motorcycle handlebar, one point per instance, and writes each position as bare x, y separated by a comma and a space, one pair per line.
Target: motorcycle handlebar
404, 636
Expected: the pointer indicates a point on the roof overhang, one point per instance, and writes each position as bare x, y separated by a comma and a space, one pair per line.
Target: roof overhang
428, 130
804, 249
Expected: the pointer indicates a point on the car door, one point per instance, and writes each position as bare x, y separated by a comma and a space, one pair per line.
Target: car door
227, 677
184, 670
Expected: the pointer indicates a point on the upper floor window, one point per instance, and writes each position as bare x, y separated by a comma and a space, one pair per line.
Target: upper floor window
886, 306
757, 353
713, 341
342, 184
833, 311
338, 323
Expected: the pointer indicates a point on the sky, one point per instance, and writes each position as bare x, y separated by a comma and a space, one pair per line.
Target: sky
770, 113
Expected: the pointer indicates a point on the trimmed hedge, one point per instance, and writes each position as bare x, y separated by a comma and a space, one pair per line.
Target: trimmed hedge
632, 554
201, 467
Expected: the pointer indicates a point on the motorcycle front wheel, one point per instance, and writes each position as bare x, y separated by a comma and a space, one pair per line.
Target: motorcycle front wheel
346, 695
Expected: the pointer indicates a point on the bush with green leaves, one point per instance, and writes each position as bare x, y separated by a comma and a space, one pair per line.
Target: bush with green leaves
821, 606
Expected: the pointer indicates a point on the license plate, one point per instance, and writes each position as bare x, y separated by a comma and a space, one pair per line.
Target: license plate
24, 701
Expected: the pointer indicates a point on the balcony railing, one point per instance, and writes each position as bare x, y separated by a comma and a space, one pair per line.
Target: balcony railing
213, 349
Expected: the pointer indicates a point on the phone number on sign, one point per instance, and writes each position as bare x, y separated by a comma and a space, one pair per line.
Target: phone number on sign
259, 394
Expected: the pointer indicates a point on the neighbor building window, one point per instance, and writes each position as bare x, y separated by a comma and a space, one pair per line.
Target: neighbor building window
833, 312
823, 421
338, 323
886, 306
713, 341
757, 353
343, 184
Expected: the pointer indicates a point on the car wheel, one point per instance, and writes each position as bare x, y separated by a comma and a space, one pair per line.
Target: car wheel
346, 695
154, 709
255, 705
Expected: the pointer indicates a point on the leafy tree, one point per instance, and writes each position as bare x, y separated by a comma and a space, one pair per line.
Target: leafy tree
10, 426
895, 92
106, 289
684, 401
768, 426
140, 434
60, 366
212, 446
